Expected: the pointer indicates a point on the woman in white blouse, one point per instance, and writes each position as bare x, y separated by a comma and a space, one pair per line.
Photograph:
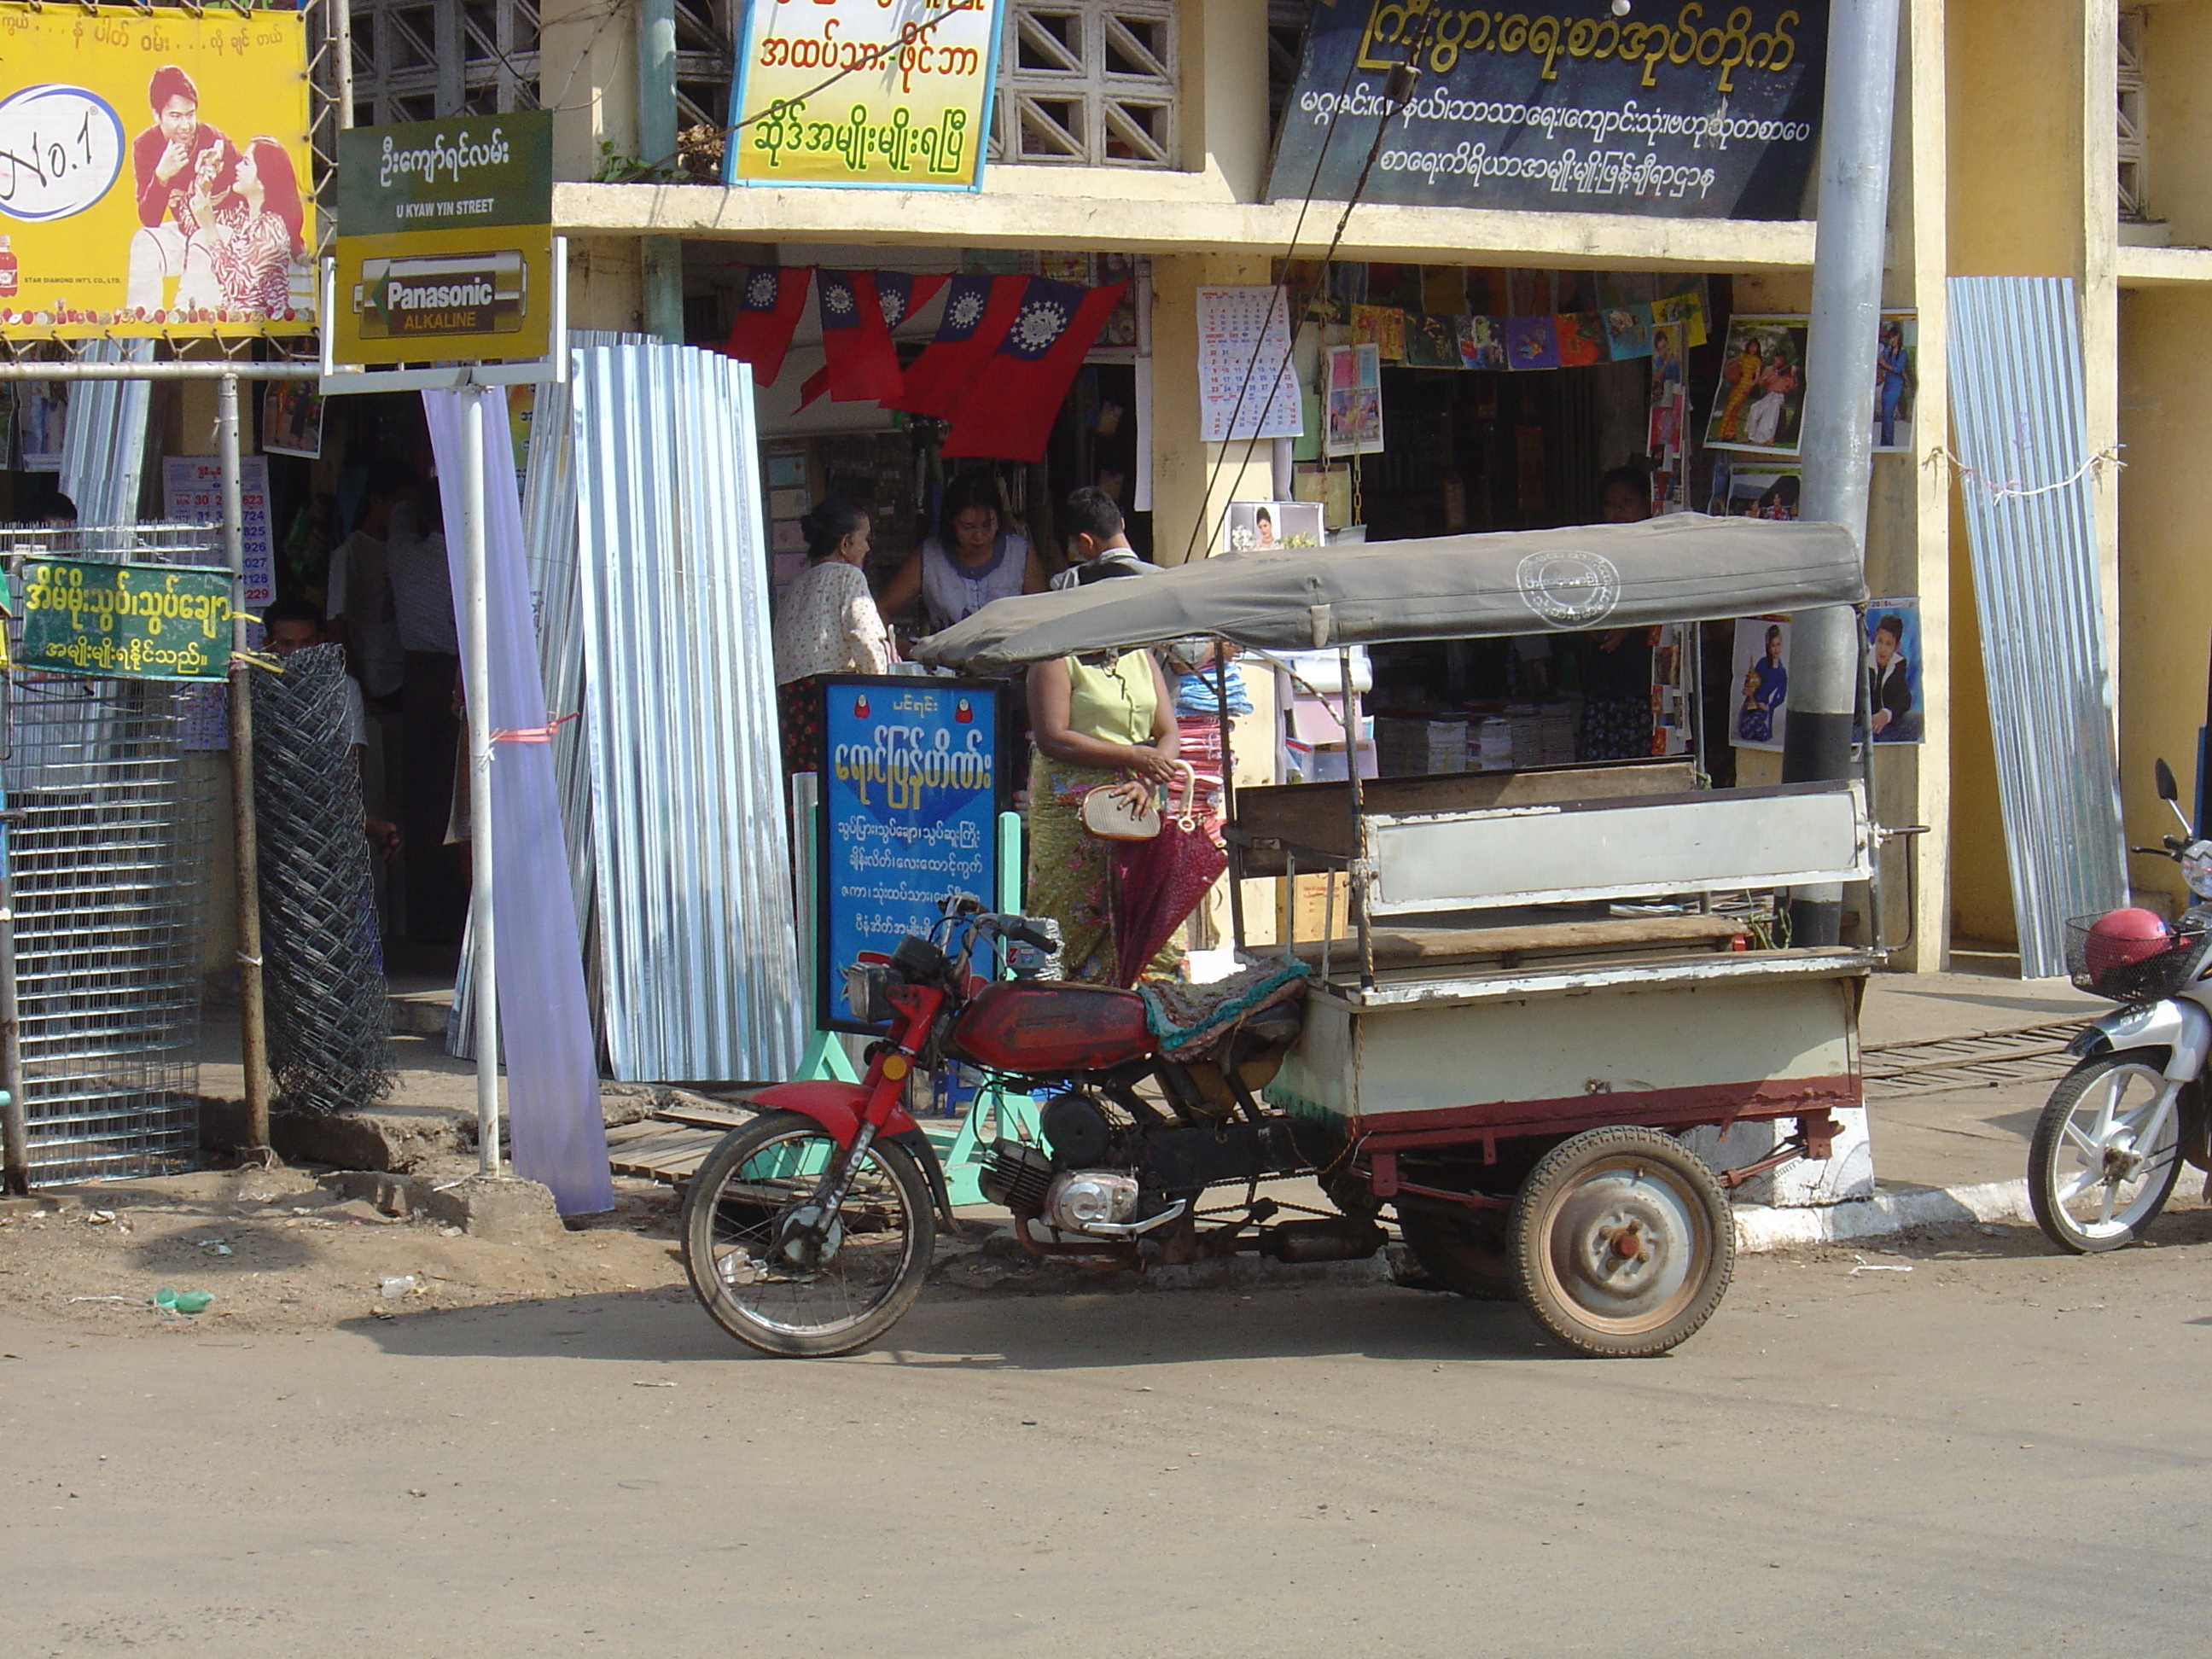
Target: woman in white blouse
826, 623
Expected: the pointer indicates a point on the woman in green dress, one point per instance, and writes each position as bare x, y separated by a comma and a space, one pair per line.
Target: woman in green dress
1097, 721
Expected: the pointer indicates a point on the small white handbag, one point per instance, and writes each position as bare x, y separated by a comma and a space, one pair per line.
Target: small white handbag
1110, 817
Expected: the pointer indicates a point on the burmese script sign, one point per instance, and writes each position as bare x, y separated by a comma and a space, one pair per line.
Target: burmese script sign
1682, 111
444, 240
139, 621
863, 92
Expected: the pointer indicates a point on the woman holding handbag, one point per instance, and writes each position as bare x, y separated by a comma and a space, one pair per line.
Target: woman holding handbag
1103, 724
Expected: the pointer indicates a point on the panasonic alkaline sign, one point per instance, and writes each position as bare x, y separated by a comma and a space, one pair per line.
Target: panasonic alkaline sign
440, 299
445, 242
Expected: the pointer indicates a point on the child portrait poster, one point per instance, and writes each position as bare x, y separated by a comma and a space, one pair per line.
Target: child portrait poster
292, 419
1896, 381
1893, 670
1759, 406
40, 414
1263, 526
1761, 666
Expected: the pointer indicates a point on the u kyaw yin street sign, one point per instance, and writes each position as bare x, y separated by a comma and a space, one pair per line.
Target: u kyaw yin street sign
444, 240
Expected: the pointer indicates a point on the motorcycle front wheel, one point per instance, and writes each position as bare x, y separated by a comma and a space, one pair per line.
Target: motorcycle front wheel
779, 1275
2104, 1161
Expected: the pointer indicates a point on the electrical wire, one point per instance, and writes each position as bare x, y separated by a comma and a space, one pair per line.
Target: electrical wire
1397, 91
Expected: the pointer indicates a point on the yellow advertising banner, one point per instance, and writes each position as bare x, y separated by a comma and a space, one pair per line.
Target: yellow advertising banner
154, 173
862, 92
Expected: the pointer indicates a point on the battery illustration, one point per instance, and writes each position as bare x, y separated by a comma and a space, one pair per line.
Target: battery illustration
401, 299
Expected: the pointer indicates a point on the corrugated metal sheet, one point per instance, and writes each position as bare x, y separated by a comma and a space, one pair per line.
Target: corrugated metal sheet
104, 439
697, 943
2018, 412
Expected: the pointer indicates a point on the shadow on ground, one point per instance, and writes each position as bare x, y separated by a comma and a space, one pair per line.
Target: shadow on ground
1013, 1332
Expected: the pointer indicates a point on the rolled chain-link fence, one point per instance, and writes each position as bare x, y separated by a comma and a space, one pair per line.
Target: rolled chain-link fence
330, 1019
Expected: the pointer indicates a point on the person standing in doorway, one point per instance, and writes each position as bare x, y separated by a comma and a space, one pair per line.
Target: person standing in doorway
1617, 663
825, 625
358, 590
422, 585
975, 560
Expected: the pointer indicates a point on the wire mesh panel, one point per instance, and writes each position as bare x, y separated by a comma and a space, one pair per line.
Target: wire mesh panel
330, 1021
108, 852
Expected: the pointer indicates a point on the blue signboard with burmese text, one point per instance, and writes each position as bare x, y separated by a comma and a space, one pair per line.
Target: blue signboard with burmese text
911, 786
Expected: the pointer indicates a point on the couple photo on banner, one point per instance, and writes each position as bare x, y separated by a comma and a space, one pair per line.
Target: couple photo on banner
221, 227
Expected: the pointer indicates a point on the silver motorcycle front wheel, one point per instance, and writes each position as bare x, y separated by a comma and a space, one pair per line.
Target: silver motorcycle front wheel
2106, 1152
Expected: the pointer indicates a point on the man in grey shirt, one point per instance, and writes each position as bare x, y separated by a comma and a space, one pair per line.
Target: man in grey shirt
1098, 540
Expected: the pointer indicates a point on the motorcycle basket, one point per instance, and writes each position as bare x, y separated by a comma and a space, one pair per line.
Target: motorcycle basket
2097, 965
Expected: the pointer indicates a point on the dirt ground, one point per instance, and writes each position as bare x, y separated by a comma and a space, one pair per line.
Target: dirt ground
279, 1253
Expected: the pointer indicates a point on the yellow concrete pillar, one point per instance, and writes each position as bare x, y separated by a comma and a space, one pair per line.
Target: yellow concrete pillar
1193, 481
587, 76
2030, 193
606, 283
1222, 115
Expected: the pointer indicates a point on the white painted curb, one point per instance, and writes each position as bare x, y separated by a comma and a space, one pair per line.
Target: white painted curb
1758, 1228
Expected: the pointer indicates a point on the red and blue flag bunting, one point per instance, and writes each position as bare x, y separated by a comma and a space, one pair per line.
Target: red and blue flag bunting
977, 310
1020, 387
770, 301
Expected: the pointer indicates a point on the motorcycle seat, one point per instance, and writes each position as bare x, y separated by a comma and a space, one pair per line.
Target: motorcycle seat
1189, 1020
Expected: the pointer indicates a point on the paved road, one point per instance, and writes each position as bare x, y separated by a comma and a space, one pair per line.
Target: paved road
2000, 1451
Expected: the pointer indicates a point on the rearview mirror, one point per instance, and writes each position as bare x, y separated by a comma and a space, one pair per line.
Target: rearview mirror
2168, 789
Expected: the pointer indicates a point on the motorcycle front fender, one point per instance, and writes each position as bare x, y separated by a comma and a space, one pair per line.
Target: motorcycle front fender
2181, 1028
837, 1107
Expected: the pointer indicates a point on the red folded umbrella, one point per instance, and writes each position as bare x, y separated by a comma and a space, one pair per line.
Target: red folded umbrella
1158, 883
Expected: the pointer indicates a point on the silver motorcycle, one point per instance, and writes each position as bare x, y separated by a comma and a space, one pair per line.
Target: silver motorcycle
2111, 1143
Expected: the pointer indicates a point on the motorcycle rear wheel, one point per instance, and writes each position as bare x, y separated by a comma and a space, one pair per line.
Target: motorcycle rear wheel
2092, 1186
793, 1289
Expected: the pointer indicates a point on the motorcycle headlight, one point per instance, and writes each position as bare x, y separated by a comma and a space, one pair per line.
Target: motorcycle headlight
2197, 867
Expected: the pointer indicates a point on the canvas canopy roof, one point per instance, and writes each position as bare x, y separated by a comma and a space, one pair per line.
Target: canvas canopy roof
1683, 568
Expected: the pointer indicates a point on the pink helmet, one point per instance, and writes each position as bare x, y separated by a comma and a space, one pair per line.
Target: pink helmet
2120, 939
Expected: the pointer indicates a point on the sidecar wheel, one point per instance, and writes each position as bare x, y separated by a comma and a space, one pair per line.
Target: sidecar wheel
1622, 1242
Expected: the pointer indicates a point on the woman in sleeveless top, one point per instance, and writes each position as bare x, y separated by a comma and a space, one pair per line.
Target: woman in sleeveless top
973, 562
1096, 720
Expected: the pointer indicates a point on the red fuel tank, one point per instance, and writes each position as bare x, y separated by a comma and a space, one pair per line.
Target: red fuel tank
1046, 1025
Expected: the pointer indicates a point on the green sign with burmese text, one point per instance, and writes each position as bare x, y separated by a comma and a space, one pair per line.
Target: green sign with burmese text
137, 621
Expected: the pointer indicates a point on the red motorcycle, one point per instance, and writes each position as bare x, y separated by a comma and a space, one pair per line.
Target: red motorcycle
809, 1231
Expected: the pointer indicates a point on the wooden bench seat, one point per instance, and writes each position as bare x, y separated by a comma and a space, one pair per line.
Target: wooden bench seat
1400, 948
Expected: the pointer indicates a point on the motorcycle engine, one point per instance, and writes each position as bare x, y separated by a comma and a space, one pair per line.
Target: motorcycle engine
1019, 1176
1081, 1199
